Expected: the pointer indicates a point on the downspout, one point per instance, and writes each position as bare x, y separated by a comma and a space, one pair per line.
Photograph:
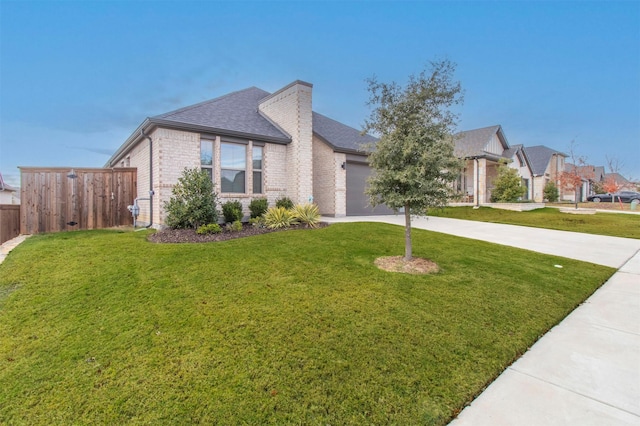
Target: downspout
150, 177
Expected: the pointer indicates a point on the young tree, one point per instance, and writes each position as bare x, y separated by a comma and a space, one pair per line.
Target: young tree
507, 186
193, 201
571, 179
550, 192
414, 163
611, 186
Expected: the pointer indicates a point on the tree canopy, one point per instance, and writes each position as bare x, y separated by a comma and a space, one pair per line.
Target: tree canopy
413, 161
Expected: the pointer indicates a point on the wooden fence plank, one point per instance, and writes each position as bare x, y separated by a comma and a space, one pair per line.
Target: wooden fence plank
9, 221
61, 199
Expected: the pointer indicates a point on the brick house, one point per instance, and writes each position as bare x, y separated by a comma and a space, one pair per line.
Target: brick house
253, 144
482, 150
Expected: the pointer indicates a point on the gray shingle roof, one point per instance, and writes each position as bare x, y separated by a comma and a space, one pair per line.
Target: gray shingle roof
471, 143
338, 135
539, 156
236, 112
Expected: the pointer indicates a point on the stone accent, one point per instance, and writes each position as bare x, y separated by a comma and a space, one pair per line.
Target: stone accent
290, 108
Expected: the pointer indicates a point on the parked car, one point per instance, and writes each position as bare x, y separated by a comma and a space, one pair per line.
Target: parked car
624, 196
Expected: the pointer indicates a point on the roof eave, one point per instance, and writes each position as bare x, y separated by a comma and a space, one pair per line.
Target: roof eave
339, 148
150, 123
208, 129
131, 141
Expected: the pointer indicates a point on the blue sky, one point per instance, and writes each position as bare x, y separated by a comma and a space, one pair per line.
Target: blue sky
76, 78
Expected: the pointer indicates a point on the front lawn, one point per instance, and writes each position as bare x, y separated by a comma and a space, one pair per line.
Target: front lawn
611, 224
292, 327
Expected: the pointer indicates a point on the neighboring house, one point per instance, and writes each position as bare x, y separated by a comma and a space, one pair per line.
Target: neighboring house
253, 144
8, 193
587, 173
598, 177
546, 164
482, 149
623, 183
521, 163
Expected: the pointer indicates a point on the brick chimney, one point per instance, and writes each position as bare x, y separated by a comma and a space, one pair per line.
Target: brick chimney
290, 108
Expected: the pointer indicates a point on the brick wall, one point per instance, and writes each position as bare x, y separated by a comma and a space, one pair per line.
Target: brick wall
139, 157
174, 151
329, 179
275, 172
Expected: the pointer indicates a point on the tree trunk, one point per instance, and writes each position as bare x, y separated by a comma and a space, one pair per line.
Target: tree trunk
408, 255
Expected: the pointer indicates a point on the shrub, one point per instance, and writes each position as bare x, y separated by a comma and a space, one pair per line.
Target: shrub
257, 222
212, 228
307, 214
193, 201
279, 217
551, 192
258, 207
232, 211
507, 185
284, 202
235, 226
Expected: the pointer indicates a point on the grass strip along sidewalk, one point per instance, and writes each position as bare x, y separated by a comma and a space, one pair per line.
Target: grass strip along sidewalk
289, 327
613, 225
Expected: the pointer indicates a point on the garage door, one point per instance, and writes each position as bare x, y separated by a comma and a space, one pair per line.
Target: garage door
357, 200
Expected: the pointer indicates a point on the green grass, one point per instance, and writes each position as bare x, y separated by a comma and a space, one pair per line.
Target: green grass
292, 327
614, 225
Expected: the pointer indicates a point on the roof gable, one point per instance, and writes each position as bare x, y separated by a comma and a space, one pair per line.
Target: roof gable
339, 136
475, 143
236, 112
539, 156
618, 178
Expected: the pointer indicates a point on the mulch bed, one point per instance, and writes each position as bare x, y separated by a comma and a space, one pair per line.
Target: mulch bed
416, 265
190, 236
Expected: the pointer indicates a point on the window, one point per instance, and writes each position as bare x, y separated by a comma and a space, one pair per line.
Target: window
233, 164
257, 169
206, 157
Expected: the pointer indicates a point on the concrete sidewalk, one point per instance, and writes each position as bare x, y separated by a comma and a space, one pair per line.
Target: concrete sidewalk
584, 371
7, 246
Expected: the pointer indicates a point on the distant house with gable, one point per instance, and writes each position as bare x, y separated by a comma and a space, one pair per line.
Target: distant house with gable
482, 150
623, 183
547, 164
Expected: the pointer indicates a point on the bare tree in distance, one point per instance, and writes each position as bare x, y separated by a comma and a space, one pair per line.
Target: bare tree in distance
614, 164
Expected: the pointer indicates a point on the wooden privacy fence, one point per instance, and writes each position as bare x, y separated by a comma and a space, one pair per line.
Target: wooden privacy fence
64, 199
9, 221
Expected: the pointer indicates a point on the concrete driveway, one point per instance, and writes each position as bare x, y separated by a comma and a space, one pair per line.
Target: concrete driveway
584, 371
598, 249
